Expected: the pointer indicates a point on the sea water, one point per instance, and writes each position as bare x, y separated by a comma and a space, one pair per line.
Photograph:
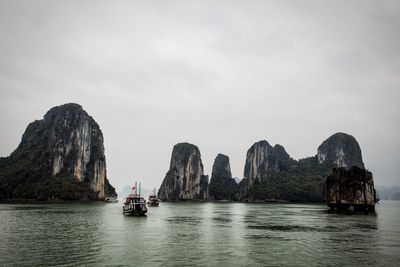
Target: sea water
206, 234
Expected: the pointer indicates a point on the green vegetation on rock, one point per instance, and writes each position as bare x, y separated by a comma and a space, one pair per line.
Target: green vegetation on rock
59, 157
222, 185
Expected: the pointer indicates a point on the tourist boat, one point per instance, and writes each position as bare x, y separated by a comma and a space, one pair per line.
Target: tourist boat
134, 204
154, 201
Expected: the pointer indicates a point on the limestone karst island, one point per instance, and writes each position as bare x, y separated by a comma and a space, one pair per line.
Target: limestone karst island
61, 157
270, 174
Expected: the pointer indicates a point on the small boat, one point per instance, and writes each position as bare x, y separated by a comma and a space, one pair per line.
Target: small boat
134, 204
111, 200
154, 201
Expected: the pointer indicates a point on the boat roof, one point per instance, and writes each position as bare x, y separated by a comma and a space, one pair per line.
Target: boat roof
134, 196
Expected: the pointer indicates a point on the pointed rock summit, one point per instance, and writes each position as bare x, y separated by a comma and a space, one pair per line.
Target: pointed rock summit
262, 159
185, 179
59, 157
222, 185
341, 149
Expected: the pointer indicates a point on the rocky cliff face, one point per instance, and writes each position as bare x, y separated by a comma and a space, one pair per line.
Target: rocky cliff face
222, 185
342, 149
185, 179
352, 187
68, 145
262, 159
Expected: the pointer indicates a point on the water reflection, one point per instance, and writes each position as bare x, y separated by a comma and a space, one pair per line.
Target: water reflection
354, 236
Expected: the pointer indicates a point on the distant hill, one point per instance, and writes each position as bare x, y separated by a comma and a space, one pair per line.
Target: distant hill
388, 193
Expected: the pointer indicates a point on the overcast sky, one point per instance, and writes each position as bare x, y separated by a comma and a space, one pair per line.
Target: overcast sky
219, 74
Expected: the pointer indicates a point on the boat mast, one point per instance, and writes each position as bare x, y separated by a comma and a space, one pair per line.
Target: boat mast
135, 188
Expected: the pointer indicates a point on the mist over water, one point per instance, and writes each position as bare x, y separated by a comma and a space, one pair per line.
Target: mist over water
225, 234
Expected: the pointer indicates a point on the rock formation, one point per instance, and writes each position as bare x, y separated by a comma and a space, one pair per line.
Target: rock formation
342, 149
270, 173
185, 179
350, 188
60, 156
222, 185
262, 159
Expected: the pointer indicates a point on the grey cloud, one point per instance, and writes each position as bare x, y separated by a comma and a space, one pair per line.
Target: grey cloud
220, 74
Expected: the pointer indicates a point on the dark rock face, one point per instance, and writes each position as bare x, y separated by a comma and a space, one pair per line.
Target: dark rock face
342, 149
185, 179
61, 156
221, 167
222, 185
350, 188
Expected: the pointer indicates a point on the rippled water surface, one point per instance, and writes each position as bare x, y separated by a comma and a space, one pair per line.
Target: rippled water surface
175, 234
